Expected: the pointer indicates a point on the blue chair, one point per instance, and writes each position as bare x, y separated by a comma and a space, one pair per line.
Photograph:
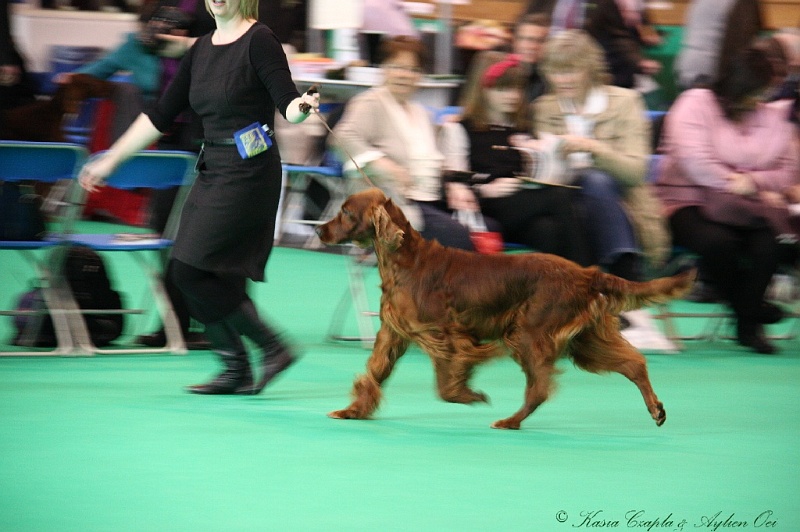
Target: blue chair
296, 179
149, 169
446, 113
52, 164
79, 128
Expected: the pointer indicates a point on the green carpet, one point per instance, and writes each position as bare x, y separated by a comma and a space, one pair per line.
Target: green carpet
112, 442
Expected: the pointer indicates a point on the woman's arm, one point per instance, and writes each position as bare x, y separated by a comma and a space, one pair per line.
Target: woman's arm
357, 134
137, 137
784, 173
454, 145
269, 60
687, 135
626, 155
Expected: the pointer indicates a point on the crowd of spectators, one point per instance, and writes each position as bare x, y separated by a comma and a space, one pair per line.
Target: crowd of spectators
570, 73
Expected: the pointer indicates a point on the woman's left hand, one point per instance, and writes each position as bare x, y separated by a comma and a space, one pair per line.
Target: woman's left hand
309, 101
793, 194
772, 198
94, 173
576, 144
741, 183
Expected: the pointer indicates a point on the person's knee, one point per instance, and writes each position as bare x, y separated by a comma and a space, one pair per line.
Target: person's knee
599, 184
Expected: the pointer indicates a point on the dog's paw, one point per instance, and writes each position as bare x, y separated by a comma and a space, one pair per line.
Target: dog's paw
347, 413
506, 424
466, 397
480, 397
660, 415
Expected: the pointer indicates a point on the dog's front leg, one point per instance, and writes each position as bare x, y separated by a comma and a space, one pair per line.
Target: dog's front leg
389, 347
452, 379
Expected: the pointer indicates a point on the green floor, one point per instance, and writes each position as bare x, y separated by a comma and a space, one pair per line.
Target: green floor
112, 443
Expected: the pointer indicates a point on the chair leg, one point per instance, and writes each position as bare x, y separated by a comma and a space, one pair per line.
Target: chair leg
355, 297
58, 303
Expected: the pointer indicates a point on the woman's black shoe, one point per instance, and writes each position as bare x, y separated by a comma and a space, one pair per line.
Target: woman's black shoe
275, 355
195, 341
271, 367
769, 313
156, 339
237, 379
756, 341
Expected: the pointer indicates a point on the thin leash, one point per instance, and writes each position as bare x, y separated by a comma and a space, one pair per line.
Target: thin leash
316, 112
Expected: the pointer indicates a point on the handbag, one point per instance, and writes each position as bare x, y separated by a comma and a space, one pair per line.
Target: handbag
21, 215
485, 241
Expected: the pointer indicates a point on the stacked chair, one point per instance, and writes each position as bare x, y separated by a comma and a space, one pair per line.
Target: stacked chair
43, 164
149, 169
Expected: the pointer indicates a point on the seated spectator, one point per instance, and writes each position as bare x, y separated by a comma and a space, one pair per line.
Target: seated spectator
789, 89
605, 141
714, 31
634, 13
138, 57
730, 169
495, 110
530, 34
393, 140
16, 85
603, 20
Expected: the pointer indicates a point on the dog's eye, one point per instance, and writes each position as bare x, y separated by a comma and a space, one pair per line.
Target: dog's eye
347, 213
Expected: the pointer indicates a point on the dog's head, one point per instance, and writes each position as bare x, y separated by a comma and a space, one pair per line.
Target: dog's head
366, 218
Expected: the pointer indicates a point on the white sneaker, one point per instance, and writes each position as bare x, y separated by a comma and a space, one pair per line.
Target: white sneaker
644, 335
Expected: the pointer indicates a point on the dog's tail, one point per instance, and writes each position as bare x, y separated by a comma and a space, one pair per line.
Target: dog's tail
625, 295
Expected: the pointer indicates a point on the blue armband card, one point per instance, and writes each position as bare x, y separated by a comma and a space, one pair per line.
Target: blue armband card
253, 139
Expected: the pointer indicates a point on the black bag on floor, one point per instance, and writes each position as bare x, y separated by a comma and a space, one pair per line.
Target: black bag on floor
88, 279
21, 216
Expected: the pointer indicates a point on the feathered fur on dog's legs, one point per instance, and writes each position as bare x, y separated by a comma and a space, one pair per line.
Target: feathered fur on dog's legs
609, 351
389, 347
453, 386
537, 359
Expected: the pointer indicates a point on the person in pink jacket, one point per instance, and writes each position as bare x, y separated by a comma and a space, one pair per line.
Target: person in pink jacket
730, 171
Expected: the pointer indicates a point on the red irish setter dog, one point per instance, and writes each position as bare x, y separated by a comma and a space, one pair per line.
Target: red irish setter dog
465, 308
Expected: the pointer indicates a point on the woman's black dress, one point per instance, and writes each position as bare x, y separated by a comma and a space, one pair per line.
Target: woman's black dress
228, 221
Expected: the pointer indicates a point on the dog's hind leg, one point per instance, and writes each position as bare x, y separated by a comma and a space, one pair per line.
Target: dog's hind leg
389, 347
611, 352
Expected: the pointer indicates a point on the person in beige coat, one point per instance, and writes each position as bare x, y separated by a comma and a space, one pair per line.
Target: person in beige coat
604, 138
392, 139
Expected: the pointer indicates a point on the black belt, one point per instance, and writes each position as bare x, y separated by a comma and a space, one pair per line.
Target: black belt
219, 142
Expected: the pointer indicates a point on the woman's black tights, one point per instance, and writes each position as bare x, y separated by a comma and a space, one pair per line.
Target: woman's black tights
210, 296
739, 261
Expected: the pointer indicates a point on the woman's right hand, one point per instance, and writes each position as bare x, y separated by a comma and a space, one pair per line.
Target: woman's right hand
500, 187
94, 173
742, 184
388, 169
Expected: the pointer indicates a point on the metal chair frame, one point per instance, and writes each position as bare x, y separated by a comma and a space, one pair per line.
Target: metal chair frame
52, 163
153, 169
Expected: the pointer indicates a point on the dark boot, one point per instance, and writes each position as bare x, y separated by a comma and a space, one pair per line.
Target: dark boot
751, 334
275, 355
237, 377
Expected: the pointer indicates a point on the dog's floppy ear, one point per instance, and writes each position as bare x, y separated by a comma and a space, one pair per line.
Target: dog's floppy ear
387, 233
